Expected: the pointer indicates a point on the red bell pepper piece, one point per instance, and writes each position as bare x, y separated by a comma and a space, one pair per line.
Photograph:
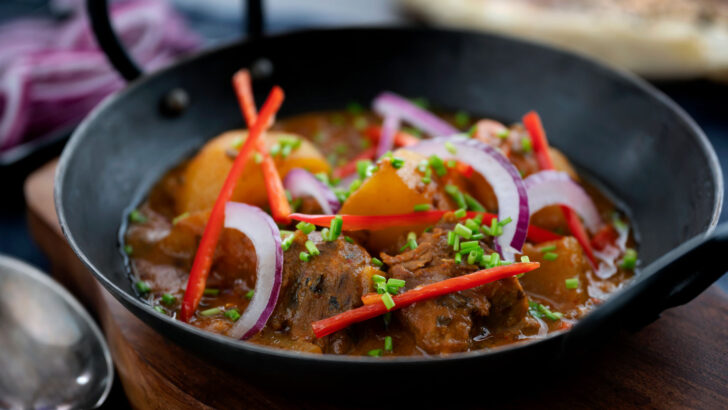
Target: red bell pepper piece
206, 250
540, 144
330, 325
401, 138
606, 236
377, 222
279, 206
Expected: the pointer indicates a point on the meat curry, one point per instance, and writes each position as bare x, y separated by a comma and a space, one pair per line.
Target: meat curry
382, 244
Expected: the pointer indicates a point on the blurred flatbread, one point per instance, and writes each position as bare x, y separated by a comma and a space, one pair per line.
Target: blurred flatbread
660, 39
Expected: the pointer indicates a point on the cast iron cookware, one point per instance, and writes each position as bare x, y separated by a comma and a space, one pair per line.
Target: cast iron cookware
625, 134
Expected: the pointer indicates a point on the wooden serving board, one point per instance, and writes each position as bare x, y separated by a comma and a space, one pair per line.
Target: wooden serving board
679, 361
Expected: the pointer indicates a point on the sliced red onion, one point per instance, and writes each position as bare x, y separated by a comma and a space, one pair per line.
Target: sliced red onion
388, 104
608, 256
52, 73
389, 130
300, 183
548, 188
266, 238
500, 174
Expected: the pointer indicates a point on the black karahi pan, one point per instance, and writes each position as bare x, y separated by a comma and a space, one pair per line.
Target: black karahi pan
621, 131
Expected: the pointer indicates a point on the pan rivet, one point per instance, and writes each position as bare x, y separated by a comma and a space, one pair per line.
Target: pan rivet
175, 102
261, 68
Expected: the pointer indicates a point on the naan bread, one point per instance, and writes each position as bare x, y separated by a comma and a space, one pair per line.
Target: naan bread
655, 38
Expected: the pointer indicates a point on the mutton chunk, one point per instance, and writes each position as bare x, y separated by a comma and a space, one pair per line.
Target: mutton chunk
328, 284
448, 323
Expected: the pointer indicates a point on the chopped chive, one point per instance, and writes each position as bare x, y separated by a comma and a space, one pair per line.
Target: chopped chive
296, 204
437, 164
355, 184
137, 217
306, 227
375, 353
211, 292
211, 312
456, 195
458, 258
284, 233
362, 168
257, 157
629, 261
422, 207
376, 262
460, 213
472, 225
325, 234
168, 299
451, 238
397, 163
378, 279
286, 243
469, 245
462, 119
463, 231
477, 236
549, 248
180, 217
128, 249
388, 301
411, 242
503, 134
473, 203
275, 149
142, 287
335, 228
388, 343
249, 294
423, 165
525, 259
450, 147
451, 163
572, 283
456, 246
428, 176
237, 143
397, 283
348, 239
472, 257
526, 145
312, 249
550, 256
160, 309
304, 257
232, 314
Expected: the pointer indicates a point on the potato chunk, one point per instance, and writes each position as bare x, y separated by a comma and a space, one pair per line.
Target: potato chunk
206, 172
549, 281
394, 191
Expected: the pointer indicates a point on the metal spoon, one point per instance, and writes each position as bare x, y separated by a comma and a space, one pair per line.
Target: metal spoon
52, 355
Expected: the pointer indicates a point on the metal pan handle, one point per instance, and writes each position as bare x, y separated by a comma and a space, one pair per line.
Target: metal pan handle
98, 12
693, 267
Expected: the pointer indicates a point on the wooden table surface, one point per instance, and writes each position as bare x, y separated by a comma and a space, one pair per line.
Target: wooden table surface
679, 361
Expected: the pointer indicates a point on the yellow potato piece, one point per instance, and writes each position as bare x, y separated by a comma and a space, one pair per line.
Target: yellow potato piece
394, 191
549, 281
206, 172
